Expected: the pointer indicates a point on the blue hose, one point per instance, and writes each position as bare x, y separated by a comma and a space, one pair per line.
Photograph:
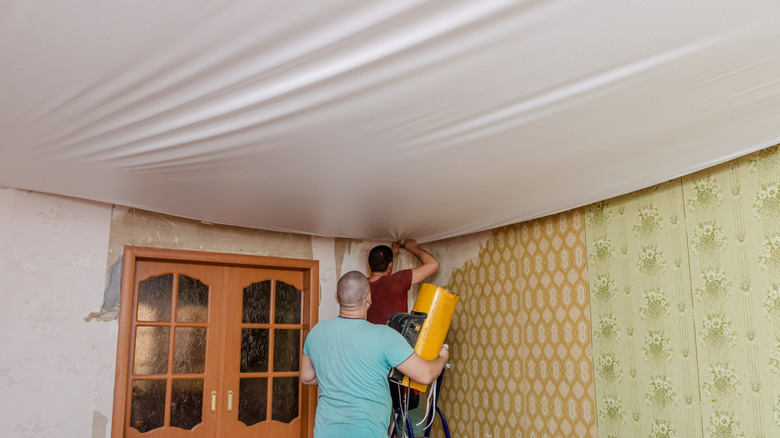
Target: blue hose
436, 409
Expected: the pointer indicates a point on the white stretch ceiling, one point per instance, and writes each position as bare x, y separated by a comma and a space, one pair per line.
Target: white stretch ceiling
378, 119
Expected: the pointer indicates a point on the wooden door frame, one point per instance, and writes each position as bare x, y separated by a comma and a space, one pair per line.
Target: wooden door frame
132, 254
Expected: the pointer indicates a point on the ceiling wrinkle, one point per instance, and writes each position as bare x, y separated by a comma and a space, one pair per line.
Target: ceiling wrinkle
370, 120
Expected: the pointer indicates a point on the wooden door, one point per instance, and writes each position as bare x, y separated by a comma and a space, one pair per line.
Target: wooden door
263, 344
175, 347
213, 350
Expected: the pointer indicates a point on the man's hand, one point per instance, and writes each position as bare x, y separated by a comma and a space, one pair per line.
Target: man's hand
444, 353
396, 246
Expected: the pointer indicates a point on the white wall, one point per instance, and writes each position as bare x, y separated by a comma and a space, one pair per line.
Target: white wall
56, 369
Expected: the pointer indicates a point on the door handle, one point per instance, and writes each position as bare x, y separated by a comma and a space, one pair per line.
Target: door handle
213, 401
230, 401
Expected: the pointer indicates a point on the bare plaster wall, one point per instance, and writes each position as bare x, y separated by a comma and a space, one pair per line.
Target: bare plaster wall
352, 255
135, 227
56, 369
336, 256
130, 226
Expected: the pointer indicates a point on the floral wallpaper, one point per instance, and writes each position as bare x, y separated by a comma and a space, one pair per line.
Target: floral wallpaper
520, 339
644, 345
685, 301
733, 220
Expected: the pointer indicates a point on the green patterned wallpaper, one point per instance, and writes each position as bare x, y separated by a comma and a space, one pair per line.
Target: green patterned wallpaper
644, 346
685, 297
733, 220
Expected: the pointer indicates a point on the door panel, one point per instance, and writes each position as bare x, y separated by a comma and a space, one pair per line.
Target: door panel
174, 350
264, 335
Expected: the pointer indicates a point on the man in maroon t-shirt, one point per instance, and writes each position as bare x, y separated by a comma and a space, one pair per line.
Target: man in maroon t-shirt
389, 291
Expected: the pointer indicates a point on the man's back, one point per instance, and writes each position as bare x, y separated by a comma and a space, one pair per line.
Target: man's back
389, 294
352, 358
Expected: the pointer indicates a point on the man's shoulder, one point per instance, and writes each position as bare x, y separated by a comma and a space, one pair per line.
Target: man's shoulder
326, 325
327, 329
402, 276
349, 323
402, 273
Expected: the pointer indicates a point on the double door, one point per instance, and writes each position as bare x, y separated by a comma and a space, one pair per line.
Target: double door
214, 351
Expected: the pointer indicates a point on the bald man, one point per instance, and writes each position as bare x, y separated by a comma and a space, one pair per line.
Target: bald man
350, 358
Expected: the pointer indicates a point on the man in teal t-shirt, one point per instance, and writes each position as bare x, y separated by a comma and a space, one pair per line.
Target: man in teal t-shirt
350, 358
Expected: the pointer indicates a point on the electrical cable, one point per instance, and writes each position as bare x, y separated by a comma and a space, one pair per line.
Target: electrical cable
393, 422
399, 416
428, 407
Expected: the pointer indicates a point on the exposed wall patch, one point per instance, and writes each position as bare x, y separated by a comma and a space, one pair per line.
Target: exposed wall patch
109, 311
99, 425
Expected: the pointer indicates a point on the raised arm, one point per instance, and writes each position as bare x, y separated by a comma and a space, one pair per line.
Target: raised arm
308, 375
424, 371
429, 262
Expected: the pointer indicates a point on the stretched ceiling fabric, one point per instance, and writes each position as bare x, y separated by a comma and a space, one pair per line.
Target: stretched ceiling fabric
382, 119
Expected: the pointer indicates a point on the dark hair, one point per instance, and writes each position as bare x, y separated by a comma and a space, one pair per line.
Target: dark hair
380, 258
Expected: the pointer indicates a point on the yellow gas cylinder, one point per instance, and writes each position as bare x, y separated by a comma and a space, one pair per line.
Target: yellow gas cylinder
439, 304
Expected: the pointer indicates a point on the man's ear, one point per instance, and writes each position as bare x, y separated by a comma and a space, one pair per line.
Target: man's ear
337, 297
368, 298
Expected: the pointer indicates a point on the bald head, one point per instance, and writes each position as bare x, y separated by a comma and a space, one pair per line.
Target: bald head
352, 289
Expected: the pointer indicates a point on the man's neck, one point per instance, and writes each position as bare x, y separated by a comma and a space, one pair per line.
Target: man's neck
352, 313
377, 275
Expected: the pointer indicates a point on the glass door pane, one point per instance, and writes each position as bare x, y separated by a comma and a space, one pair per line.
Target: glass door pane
186, 403
253, 400
189, 350
287, 304
147, 410
285, 399
151, 350
254, 350
287, 347
154, 298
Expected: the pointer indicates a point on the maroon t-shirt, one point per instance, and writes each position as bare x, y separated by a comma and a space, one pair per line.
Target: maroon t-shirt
389, 295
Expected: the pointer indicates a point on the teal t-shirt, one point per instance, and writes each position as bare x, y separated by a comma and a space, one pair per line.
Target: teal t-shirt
352, 359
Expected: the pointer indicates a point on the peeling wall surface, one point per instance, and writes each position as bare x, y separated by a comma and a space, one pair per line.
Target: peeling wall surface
142, 228
132, 227
56, 369
452, 254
